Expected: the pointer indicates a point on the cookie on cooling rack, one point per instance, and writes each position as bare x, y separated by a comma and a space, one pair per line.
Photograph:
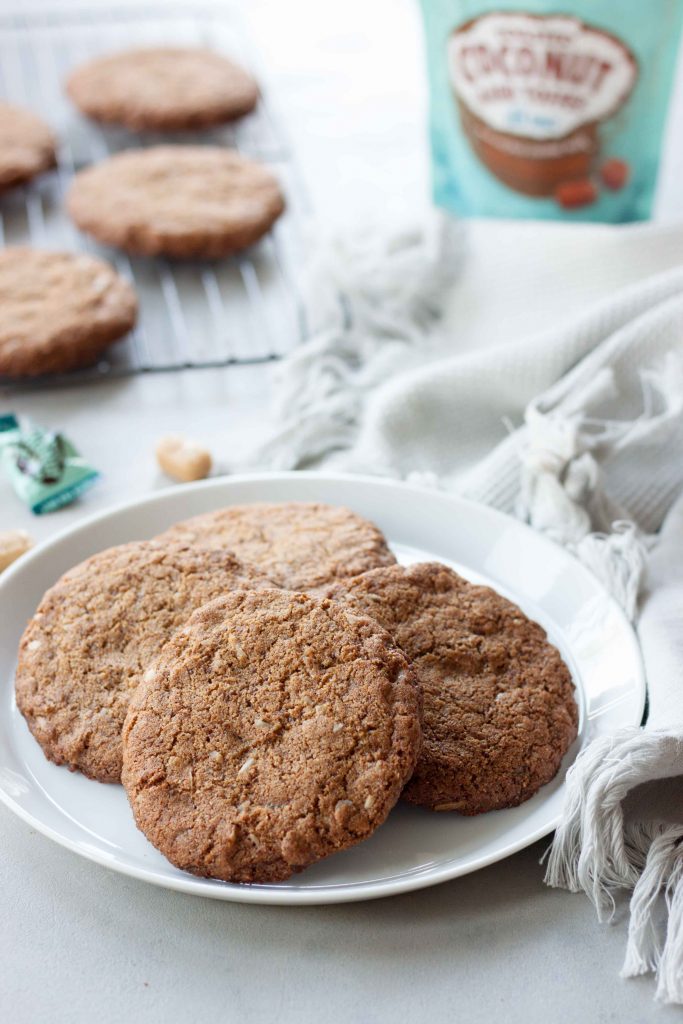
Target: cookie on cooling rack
499, 708
300, 726
60, 310
27, 146
96, 631
299, 545
163, 89
182, 201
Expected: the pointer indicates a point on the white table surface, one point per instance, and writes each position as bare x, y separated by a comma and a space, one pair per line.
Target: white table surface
81, 944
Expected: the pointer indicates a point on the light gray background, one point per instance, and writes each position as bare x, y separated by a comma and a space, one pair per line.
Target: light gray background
78, 943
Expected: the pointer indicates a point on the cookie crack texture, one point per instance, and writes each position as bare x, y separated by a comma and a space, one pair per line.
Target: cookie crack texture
300, 545
499, 709
95, 636
257, 806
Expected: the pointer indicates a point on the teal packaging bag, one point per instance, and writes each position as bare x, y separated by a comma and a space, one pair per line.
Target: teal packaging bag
549, 108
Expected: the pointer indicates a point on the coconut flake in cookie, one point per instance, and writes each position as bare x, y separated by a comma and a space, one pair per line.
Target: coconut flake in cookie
499, 708
60, 310
273, 730
97, 630
299, 545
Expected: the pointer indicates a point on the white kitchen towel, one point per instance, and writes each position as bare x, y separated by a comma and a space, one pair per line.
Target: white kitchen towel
622, 827
579, 431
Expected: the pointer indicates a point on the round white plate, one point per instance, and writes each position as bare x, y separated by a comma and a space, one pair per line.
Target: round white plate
415, 848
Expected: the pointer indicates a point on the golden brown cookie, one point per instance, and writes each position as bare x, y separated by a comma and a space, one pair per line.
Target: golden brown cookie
272, 731
182, 201
299, 545
163, 89
499, 708
96, 630
60, 310
27, 146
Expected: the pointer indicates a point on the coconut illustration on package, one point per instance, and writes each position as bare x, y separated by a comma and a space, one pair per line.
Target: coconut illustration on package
533, 92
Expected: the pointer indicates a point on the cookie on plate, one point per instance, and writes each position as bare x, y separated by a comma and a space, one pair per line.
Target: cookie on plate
27, 146
182, 201
96, 630
273, 730
60, 310
499, 708
299, 545
163, 89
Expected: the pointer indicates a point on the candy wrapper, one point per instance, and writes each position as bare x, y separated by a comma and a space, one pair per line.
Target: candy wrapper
44, 468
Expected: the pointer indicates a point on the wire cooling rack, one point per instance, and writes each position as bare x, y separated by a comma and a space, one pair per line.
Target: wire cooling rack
245, 309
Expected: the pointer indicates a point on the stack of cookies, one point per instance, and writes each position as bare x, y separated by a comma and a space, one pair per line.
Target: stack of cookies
267, 681
62, 310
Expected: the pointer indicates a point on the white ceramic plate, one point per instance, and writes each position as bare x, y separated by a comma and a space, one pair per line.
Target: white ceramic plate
415, 848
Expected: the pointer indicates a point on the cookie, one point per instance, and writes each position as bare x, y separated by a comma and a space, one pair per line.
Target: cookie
299, 545
27, 146
96, 630
273, 730
163, 89
499, 709
60, 310
182, 201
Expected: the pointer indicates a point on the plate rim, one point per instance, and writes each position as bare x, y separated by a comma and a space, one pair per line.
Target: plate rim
346, 892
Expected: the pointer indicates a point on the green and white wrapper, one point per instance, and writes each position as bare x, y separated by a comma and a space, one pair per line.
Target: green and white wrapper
44, 468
